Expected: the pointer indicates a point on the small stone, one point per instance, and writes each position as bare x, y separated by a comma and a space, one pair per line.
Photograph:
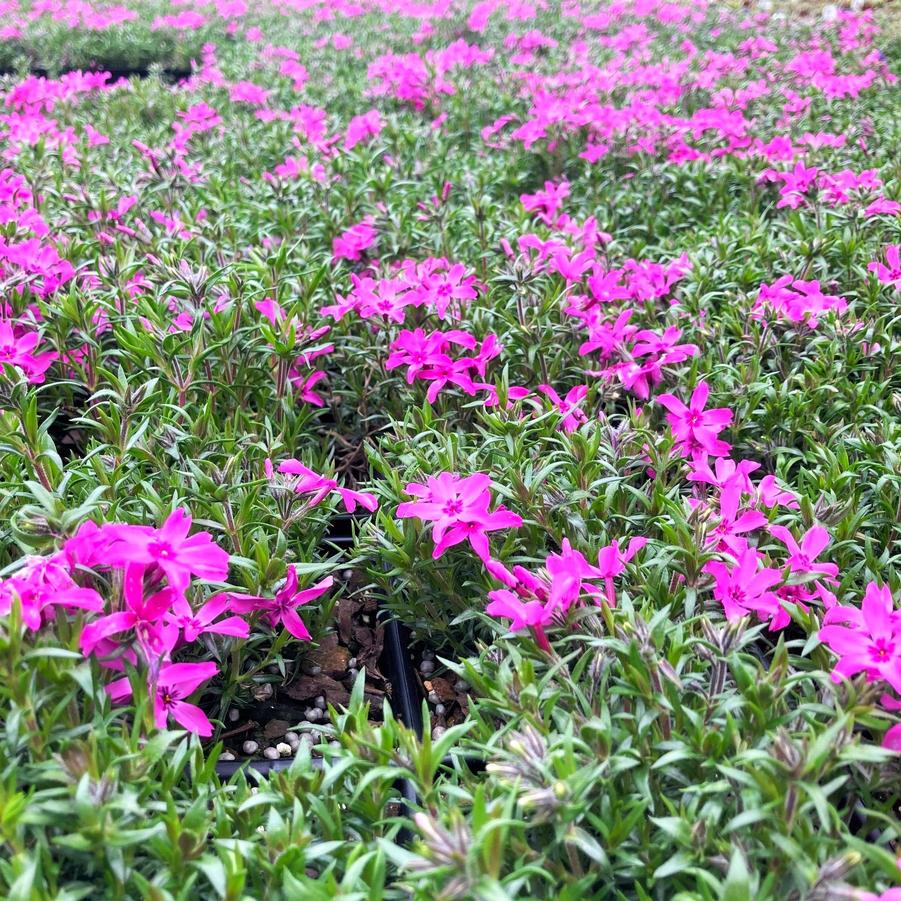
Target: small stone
427, 667
352, 663
440, 709
315, 670
226, 755
314, 714
353, 673
291, 736
461, 685
307, 740
428, 655
320, 702
347, 574
334, 744
250, 747
284, 749
271, 753
294, 743
438, 731
433, 697
234, 715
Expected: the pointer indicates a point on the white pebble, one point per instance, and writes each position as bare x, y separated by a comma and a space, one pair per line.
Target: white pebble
226, 755
314, 714
433, 697
315, 670
271, 754
428, 655
291, 736
440, 709
320, 702
427, 667
234, 715
352, 663
250, 747
284, 749
438, 731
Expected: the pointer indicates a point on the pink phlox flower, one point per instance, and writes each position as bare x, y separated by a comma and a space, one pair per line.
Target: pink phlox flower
569, 407
40, 585
725, 471
569, 573
458, 508
366, 125
612, 564
606, 337
169, 547
174, 683
144, 616
282, 609
352, 243
769, 493
304, 386
870, 639
889, 273
695, 428
17, 348
731, 523
803, 554
305, 481
744, 588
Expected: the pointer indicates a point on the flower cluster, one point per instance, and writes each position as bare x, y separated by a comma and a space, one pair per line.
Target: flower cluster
153, 616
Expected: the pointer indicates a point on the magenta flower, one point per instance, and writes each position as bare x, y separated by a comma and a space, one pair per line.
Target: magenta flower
175, 682
733, 523
889, 273
458, 509
41, 584
612, 563
745, 588
870, 640
18, 350
522, 614
802, 555
305, 387
170, 548
569, 407
282, 609
351, 244
309, 482
143, 616
193, 624
694, 427
568, 572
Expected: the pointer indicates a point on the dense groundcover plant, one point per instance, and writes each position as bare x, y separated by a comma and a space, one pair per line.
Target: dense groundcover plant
586, 313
